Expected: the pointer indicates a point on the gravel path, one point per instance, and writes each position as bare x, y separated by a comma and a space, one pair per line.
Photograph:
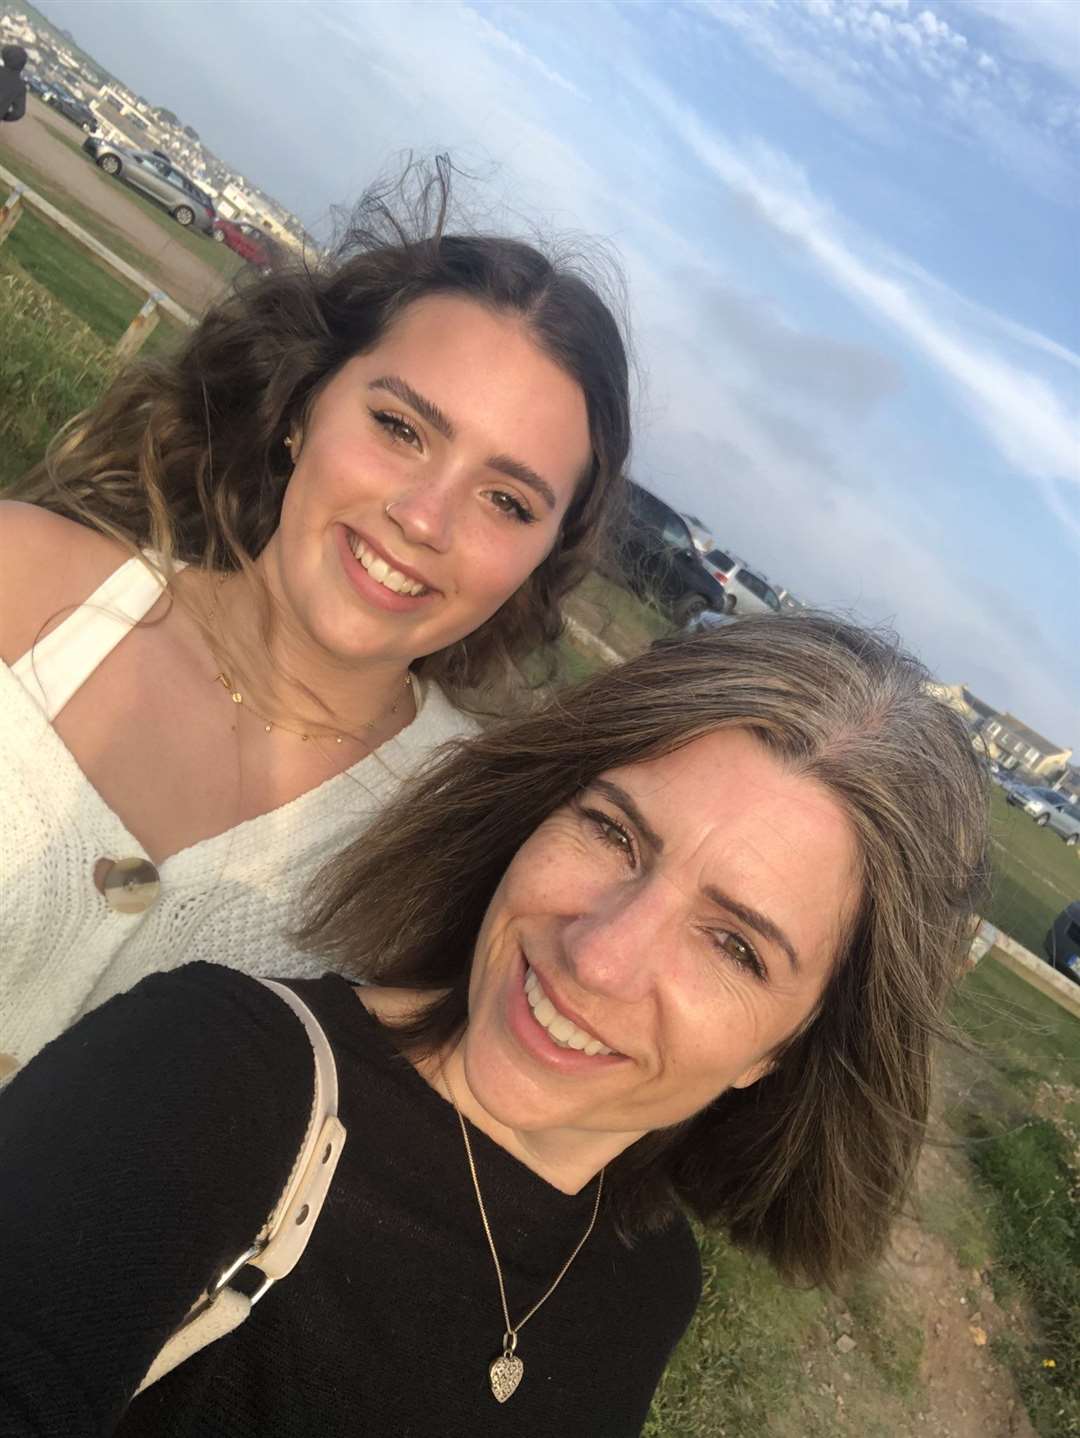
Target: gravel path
180, 273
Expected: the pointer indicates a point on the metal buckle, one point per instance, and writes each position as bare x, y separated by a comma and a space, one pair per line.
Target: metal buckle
223, 1279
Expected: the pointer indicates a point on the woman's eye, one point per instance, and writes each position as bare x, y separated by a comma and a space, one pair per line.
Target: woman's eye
397, 426
742, 953
612, 834
510, 505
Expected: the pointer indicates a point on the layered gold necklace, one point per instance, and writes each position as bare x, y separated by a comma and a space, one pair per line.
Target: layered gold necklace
269, 725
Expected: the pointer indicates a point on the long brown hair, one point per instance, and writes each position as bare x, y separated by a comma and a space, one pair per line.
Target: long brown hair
809, 1164
186, 457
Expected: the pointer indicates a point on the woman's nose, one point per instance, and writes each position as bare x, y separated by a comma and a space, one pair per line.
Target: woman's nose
621, 940
425, 514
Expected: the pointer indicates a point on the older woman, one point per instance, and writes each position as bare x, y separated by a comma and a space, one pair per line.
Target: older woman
680, 944
263, 580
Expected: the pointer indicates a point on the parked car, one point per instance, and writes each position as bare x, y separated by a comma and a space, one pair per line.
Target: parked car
720, 564
1062, 943
72, 109
249, 242
658, 560
1049, 809
157, 178
752, 594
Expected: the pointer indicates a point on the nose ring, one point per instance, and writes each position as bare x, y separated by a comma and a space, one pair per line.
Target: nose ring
388, 507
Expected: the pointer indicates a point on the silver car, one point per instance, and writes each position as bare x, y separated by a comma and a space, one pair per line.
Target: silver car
1052, 810
157, 177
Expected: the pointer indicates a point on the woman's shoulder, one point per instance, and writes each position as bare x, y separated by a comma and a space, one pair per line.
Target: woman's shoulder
48, 565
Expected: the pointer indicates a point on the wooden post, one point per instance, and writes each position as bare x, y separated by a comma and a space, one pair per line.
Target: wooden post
140, 328
10, 211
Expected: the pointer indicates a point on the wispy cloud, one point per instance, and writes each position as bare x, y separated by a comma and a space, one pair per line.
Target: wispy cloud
869, 62
1026, 419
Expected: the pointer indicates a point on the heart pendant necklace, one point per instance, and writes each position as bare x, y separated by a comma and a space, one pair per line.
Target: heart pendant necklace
506, 1372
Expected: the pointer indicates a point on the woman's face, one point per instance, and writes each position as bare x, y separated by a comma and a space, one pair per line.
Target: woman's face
682, 913
430, 481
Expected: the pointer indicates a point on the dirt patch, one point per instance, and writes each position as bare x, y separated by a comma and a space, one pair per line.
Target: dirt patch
180, 272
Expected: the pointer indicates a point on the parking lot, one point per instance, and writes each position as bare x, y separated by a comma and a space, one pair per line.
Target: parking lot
45, 139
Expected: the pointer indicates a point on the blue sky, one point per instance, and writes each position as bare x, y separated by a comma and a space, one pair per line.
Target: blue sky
850, 231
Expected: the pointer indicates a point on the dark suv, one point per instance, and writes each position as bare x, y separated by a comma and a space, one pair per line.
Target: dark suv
659, 562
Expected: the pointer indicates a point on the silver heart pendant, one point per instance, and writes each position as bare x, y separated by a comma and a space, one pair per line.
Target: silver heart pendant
505, 1373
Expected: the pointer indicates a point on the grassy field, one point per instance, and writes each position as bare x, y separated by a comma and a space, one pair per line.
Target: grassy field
1017, 1108
1034, 875
93, 293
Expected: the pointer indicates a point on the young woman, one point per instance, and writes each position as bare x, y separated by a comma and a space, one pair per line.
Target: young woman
354, 498
680, 943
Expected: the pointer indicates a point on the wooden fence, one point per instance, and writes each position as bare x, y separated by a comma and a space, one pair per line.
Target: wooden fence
133, 338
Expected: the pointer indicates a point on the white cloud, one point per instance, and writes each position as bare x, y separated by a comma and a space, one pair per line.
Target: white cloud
1026, 419
1046, 31
491, 34
869, 63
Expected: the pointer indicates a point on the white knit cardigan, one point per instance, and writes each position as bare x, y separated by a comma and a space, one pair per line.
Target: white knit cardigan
230, 899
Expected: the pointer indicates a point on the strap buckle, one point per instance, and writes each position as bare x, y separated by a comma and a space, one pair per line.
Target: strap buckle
224, 1279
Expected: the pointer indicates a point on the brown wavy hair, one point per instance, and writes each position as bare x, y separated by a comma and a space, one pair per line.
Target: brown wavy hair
185, 456
809, 1165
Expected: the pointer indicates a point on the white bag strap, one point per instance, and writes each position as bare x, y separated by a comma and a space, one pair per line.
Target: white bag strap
279, 1245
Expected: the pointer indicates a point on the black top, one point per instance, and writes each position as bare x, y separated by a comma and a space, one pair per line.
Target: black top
141, 1152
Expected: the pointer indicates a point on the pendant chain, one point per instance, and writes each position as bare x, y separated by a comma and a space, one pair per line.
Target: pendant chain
269, 724
511, 1333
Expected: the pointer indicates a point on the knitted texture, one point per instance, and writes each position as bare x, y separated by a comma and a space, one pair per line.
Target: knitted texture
145, 1147
230, 899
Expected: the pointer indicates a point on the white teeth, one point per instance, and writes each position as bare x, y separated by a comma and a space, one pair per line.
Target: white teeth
379, 570
561, 1030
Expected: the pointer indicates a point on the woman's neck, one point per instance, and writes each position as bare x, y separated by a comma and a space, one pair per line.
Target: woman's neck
567, 1158
286, 677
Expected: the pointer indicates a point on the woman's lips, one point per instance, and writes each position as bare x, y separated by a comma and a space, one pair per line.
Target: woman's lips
372, 588
530, 1034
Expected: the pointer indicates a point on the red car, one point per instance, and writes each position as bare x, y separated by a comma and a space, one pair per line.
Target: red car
248, 241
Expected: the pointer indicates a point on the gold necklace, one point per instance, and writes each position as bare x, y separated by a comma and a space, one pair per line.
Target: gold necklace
269, 724
507, 1371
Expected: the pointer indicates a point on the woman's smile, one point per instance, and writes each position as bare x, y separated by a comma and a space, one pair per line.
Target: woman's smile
546, 1033
377, 580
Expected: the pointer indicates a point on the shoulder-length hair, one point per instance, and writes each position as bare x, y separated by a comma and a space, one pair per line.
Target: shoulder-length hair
186, 456
810, 1164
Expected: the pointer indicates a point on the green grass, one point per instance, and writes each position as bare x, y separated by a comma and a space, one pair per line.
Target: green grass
1032, 1191
1034, 875
93, 293
738, 1368
1024, 1037
58, 367
1020, 1117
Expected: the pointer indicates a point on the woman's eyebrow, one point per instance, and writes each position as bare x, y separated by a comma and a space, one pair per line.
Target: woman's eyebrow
442, 424
620, 797
426, 408
756, 920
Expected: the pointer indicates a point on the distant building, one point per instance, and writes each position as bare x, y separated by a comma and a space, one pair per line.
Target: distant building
1069, 784
1015, 746
975, 712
